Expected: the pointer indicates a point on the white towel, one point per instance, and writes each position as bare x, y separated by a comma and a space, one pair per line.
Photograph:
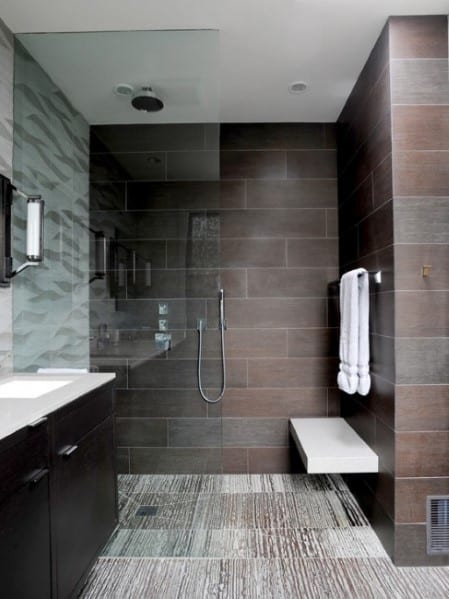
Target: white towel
354, 333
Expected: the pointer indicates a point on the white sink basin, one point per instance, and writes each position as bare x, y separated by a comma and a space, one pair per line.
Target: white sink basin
22, 389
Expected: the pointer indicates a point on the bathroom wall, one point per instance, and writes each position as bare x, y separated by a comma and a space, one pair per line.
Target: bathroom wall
420, 126
155, 192
366, 239
51, 153
6, 117
269, 238
396, 126
284, 241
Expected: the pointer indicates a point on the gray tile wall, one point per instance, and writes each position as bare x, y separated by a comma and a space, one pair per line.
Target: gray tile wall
420, 127
51, 152
366, 239
6, 117
396, 219
272, 244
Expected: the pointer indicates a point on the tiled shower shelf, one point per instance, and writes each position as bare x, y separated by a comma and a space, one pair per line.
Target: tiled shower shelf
330, 445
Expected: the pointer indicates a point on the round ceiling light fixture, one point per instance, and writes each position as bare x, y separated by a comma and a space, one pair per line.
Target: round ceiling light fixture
123, 89
297, 87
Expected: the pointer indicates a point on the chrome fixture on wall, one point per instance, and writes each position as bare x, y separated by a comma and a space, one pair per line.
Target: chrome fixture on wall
34, 232
221, 327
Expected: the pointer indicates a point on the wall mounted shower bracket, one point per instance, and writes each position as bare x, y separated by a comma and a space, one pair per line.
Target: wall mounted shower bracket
34, 232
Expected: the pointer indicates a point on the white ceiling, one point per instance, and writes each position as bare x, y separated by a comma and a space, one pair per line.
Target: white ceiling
181, 67
264, 44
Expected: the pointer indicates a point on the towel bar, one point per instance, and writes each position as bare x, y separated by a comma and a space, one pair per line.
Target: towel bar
376, 275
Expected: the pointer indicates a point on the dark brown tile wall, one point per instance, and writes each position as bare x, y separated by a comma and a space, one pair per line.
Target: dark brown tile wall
272, 243
286, 242
393, 207
366, 239
420, 128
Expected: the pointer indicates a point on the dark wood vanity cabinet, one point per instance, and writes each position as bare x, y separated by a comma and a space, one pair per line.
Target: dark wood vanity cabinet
84, 494
25, 555
58, 499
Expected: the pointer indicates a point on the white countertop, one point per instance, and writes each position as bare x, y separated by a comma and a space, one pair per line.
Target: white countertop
16, 413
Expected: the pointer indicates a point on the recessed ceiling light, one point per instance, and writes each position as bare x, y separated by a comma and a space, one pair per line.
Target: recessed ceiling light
123, 89
297, 87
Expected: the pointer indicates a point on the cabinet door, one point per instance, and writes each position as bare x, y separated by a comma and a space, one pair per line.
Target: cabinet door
25, 566
85, 505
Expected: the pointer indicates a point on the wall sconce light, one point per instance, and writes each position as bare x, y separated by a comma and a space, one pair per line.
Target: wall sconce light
34, 232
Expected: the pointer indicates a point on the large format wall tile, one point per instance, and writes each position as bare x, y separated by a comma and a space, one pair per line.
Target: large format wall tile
421, 454
275, 403
411, 495
292, 193
274, 223
421, 173
422, 313
292, 372
418, 37
422, 361
420, 128
394, 217
411, 547
289, 282
268, 237
421, 219
141, 432
274, 313
410, 259
312, 252
419, 81
255, 432
273, 136
422, 407
266, 164
161, 374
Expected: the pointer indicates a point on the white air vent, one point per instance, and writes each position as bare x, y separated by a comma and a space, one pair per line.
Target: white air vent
438, 524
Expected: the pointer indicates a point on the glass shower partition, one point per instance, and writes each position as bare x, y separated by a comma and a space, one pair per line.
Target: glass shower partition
132, 230
155, 252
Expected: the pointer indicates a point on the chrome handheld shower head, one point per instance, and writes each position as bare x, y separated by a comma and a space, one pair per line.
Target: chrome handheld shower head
222, 322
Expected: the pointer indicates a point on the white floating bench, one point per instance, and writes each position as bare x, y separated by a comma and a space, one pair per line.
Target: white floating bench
330, 445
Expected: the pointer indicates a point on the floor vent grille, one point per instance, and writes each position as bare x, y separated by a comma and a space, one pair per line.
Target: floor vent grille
438, 524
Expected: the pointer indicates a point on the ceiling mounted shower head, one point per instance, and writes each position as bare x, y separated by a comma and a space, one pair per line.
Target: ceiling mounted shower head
145, 99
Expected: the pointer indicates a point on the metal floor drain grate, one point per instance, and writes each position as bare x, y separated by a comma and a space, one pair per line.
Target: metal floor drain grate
146, 510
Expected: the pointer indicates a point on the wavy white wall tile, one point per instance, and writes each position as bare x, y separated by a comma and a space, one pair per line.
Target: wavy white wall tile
51, 157
6, 119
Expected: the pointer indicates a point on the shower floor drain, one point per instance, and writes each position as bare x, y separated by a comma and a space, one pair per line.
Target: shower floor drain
146, 510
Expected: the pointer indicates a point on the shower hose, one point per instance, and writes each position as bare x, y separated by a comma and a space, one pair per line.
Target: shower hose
222, 327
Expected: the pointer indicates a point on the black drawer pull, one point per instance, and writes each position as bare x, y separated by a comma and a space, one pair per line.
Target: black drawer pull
69, 451
38, 422
38, 476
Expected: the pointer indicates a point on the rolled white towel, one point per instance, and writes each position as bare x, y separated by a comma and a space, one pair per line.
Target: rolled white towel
353, 374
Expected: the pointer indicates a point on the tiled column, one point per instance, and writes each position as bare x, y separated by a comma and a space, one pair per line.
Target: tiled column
420, 128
